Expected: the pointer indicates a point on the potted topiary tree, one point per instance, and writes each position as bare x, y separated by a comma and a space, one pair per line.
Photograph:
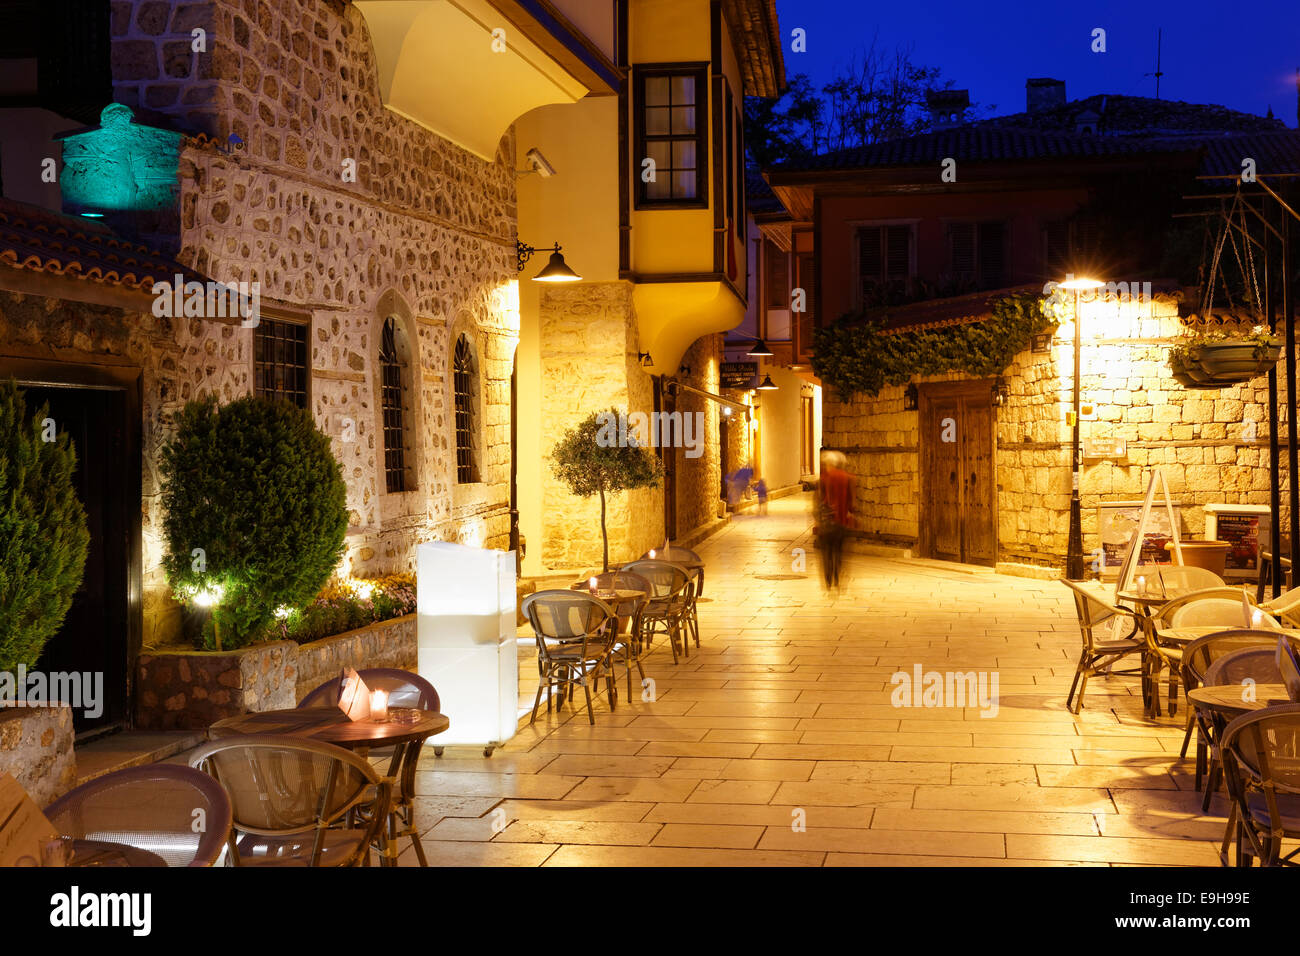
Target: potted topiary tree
43, 535
594, 458
256, 513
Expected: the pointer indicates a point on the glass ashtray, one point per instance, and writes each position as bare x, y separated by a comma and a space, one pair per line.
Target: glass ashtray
403, 715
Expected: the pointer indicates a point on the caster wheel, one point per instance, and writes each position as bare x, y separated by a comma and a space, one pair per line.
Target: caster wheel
437, 751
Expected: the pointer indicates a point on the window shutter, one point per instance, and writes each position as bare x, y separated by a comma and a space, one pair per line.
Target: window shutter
870, 259
899, 252
778, 278
991, 254
1056, 254
961, 239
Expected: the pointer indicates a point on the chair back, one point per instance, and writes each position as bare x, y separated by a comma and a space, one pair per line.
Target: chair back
624, 581
405, 689
1265, 744
151, 807
1199, 655
673, 553
1183, 577
1164, 614
1093, 611
667, 580
564, 615
1220, 612
1288, 665
1255, 664
281, 786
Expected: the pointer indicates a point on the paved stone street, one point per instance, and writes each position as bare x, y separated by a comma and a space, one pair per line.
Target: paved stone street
777, 743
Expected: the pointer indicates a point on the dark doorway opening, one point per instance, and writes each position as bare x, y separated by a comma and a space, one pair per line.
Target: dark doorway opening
96, 634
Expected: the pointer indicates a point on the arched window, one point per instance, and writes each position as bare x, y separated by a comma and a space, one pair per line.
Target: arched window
393, 407
465, 391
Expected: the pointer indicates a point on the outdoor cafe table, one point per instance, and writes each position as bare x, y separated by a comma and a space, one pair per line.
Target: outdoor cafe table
332, 726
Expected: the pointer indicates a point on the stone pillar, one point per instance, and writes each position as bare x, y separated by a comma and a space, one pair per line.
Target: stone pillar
589, 363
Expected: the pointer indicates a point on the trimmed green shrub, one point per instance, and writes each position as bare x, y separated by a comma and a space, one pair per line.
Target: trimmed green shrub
256, 513
43, 535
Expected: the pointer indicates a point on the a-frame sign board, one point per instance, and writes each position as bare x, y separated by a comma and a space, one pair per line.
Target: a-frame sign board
1133, 556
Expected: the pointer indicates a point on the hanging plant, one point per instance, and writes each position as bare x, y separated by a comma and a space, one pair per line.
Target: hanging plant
1209, 356
1215, 358
856, 354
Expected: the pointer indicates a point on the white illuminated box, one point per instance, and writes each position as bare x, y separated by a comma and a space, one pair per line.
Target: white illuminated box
465, 602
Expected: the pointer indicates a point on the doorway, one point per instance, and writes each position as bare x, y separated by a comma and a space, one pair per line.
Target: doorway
958, 494
96, 634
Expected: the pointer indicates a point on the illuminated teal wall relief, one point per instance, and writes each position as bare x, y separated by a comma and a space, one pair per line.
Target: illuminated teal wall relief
119, 166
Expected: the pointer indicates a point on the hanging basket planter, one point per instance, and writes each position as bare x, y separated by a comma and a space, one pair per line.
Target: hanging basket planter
1216, 360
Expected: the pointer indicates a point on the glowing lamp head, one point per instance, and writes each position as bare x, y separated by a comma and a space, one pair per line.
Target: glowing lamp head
208, 596
557, 270
1074, 283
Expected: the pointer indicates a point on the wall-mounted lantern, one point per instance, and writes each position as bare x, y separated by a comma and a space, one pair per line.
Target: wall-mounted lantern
1000, 392
911, 398
556, 270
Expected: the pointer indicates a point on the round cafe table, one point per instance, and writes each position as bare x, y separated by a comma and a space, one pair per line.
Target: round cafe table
1231, 701
332, 726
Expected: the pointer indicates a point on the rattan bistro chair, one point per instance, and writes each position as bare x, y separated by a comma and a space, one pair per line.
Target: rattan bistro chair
1198, 658
669, 604
1214, 606
296, 801
1185, 577
1288, 667
180, 814
405, 689
1101, 647
628, 645
680, 555
576, 637
1262, 767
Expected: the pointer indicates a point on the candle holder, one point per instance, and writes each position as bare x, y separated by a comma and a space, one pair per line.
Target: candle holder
379, 706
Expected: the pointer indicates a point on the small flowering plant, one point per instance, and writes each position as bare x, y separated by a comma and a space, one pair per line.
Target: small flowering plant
345, 605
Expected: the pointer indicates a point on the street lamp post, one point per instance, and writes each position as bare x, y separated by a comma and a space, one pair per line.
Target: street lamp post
1074, 548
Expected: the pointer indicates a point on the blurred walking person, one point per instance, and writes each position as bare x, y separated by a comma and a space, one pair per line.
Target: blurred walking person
834, 495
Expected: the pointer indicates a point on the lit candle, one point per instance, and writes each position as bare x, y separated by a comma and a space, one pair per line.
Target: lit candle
1142, 585
1256, 618
652, 554
379, 705
592, 583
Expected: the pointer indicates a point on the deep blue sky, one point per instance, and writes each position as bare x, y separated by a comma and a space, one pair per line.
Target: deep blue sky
1240, 54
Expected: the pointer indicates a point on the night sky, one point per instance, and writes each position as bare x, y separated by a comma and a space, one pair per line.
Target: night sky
1240, 55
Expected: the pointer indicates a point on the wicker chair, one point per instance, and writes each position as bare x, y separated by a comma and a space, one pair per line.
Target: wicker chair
297, 802
575, 644
1198, 657
405, 689
630, 646
1288, 666
152, 807
1250, 665
1185, 577
679, 555
1262, 768
1100, 649
669, 604
1223, 612
1226, 610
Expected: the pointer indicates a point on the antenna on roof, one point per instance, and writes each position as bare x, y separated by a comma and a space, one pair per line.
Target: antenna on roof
1158, 73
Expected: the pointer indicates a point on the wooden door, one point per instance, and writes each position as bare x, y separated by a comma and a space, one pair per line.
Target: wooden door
958, 515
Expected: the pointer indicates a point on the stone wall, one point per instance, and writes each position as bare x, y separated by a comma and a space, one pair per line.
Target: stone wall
423, 231
36, 750
1201, 440
589, 363
189, 690
699, 480
386, 644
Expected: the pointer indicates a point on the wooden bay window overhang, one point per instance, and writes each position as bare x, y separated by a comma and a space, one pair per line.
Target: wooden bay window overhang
467, 69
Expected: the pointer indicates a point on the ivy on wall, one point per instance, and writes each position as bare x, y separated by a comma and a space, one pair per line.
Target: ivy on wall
855, 355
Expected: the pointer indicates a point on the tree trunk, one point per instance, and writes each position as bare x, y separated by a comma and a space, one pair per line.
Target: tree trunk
604, 535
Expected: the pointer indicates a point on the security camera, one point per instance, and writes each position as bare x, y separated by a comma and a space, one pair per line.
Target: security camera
539, 164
